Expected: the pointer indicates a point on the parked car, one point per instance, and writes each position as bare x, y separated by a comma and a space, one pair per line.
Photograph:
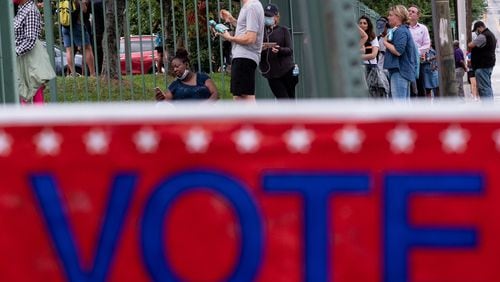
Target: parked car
61, 64
148, 51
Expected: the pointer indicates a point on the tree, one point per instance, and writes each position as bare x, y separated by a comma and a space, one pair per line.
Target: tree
113, 29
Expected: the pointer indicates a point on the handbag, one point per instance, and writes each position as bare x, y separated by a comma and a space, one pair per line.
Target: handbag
378, 84
34, 69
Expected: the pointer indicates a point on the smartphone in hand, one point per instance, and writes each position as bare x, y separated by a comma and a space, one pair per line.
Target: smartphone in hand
268, 45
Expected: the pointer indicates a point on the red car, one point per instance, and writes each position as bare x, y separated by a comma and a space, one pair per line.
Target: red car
139, 57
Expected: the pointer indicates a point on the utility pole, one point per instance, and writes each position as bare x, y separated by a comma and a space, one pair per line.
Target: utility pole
461, 23
443, 42
468, 19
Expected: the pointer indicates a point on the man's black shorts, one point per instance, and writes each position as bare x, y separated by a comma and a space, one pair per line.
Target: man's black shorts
470, 74
243, 76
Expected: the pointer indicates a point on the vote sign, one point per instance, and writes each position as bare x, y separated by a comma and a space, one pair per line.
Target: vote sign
119, 195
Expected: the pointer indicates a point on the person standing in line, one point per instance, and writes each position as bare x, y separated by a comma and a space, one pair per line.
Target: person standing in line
371, 45
471, 78
246, 50
460, 68
363, 37
33, 65
97, 31
431, 73
483, 58
159, 47
420, 35
277, 59
400, 58
72, 35
382, 28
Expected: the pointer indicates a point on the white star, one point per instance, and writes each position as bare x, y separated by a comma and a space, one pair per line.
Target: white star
5, 143
298, 139
247, 140
496, 138
96, 141
146, 140
47, 142
402, 139
197, 140
454, 139
349, 138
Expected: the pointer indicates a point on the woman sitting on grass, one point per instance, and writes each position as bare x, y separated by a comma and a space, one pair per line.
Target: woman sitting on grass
188, 85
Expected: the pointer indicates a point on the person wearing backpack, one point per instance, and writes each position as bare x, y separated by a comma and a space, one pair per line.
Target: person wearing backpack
72, 28
400, 59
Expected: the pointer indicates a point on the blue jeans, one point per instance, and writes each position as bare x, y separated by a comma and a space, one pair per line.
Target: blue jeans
483, 78
77, 36
400, 87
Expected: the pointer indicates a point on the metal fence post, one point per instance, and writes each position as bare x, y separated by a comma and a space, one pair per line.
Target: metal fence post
49, 39
333, 49
8, 73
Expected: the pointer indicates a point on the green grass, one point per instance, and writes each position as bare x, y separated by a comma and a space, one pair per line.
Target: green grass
129, 88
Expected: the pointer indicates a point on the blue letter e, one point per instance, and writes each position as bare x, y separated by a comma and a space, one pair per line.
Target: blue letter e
400, 236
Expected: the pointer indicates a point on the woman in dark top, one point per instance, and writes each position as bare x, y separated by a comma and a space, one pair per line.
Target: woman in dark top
188, 85
276, 63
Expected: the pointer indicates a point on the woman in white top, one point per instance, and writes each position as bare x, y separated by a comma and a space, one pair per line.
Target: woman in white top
371, 45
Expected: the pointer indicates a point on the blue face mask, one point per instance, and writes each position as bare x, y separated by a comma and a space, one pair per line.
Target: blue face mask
269, 21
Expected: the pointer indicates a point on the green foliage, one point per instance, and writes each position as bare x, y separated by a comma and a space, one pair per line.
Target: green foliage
130, 88
144, 17
478, 8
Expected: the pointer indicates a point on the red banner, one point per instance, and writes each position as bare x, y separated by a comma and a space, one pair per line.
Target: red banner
298, 195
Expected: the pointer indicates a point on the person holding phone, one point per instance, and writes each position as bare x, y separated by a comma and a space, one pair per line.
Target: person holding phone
246, 48
277, 56
188, 85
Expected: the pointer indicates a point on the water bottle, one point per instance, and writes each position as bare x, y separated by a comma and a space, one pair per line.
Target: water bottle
296, 70
220, 28
390, 34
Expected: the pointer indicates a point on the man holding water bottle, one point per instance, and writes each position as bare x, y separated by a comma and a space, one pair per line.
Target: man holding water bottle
246, 49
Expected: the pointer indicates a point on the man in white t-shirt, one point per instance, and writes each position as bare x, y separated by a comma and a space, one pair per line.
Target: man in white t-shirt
246, 49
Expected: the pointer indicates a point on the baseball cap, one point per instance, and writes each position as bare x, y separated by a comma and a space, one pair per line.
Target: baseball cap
381, 24
271, 10
477, 25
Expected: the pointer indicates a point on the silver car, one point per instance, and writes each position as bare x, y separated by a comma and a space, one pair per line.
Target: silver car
61, 64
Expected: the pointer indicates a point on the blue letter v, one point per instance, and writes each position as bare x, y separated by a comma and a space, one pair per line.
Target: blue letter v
51, 205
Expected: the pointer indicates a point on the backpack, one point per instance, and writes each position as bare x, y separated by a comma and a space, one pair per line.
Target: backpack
67, 10
417, 61
158, 40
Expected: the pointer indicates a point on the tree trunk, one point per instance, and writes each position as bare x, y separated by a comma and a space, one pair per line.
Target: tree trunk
167, 27
113, 24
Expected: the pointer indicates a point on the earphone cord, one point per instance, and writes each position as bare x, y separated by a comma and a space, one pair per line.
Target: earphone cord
267, 55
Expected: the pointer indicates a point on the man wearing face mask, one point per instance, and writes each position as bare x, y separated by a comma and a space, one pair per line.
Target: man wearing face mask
483, 58
277, 63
